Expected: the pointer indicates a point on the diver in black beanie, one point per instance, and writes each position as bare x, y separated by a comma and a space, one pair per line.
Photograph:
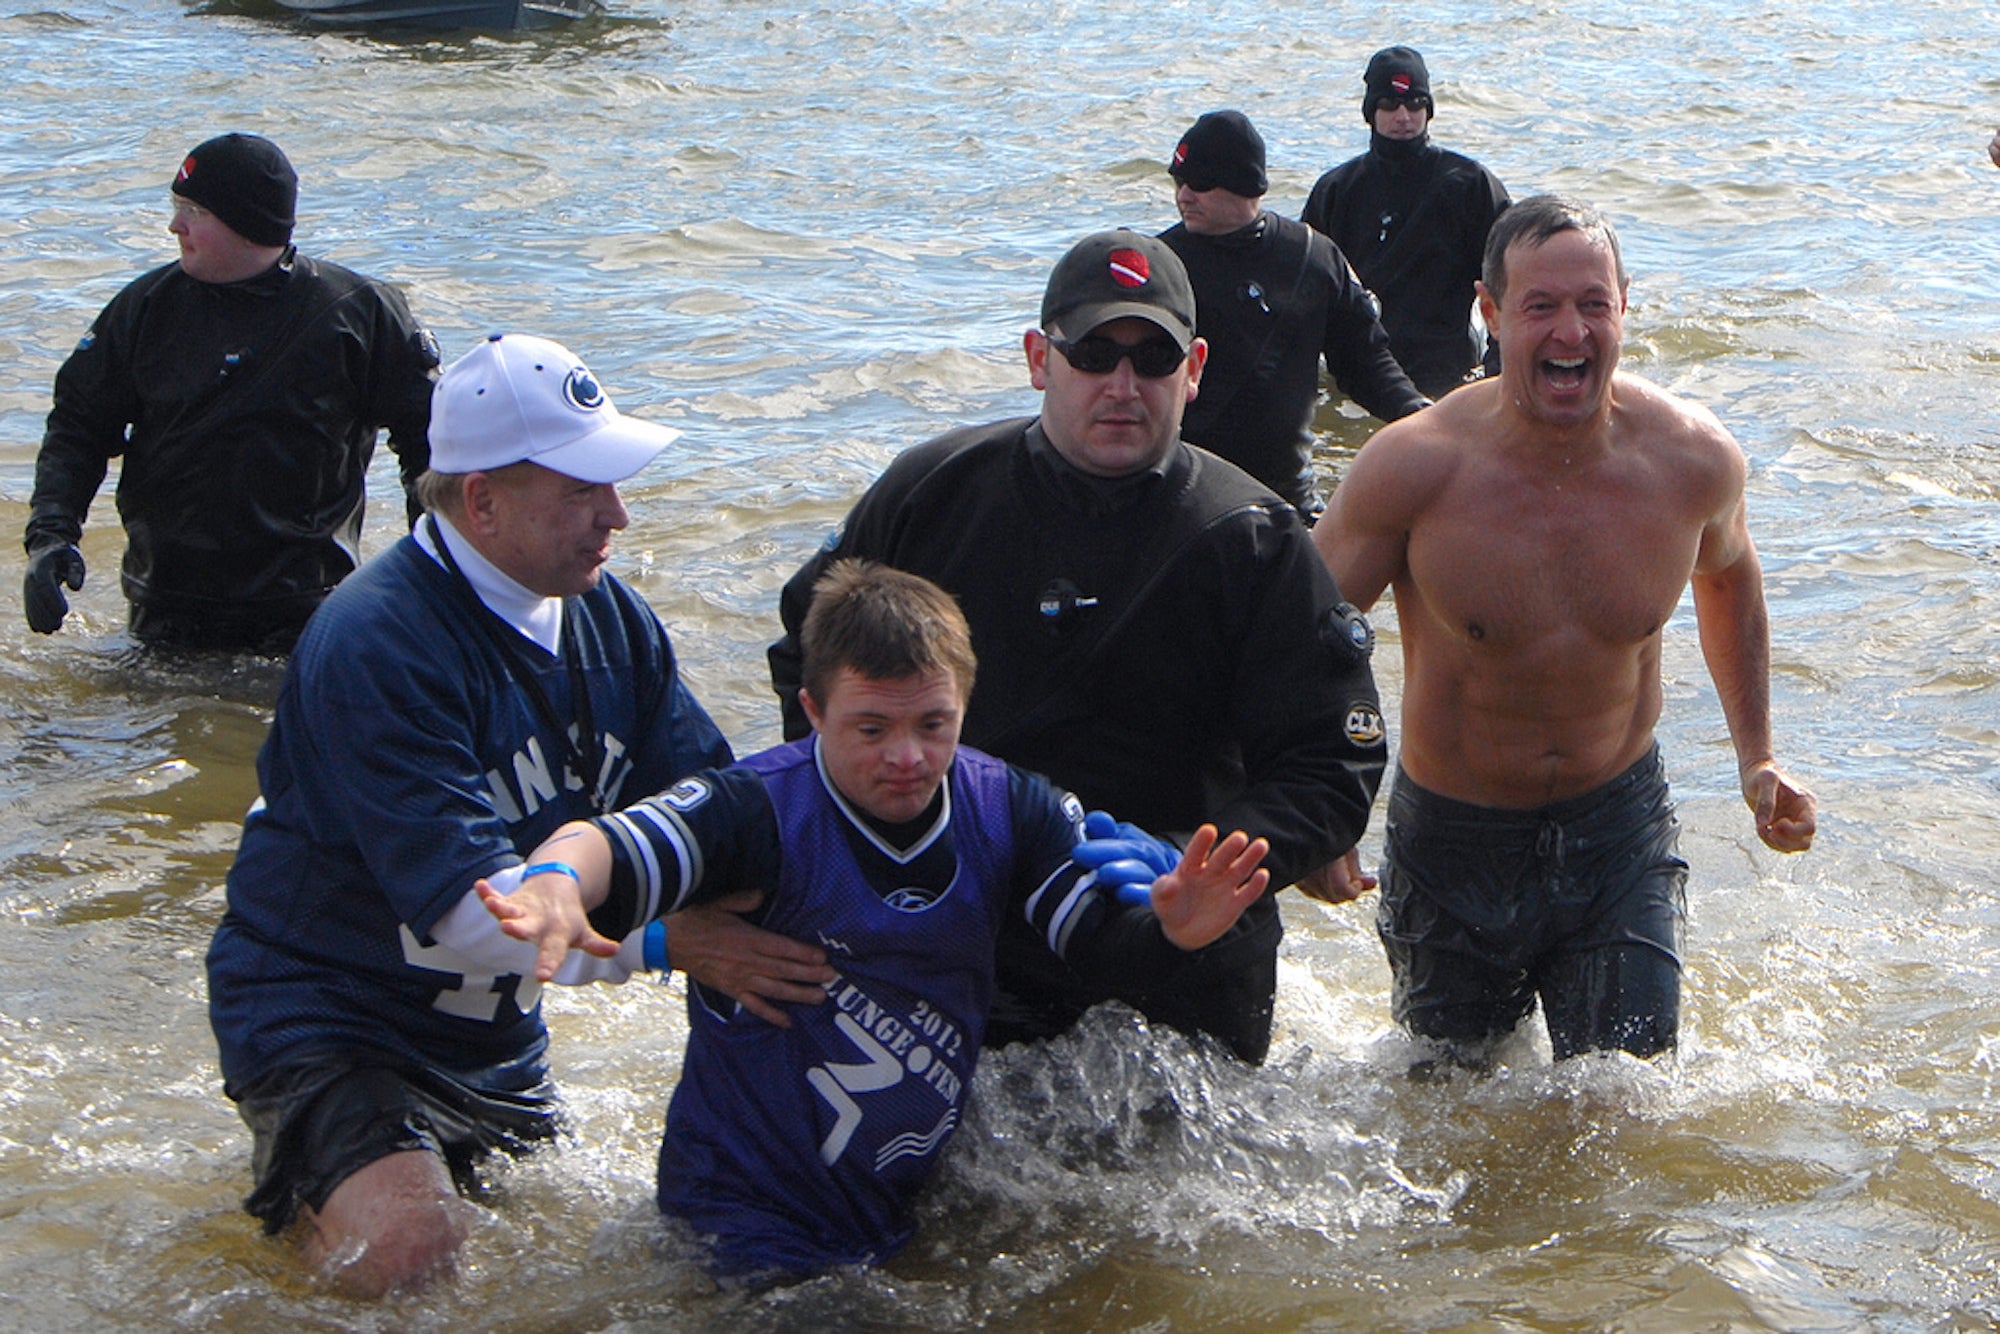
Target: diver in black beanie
1272, 298
245, 180
1222, 149
1412, 218
1395, 73
244, 386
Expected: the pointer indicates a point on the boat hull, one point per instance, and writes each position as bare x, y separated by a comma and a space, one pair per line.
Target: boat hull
500, 15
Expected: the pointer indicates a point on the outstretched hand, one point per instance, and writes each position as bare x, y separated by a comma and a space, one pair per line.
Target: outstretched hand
1787, 814
546, 912
1216, 880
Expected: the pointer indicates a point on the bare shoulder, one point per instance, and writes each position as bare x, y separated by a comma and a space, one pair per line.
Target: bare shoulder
1398, 475
1681, 436
1419, 453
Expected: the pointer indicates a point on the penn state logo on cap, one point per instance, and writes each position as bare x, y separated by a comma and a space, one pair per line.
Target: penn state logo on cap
582, 390
516, 398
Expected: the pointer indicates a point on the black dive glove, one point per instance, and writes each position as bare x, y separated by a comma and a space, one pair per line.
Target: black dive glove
50, 567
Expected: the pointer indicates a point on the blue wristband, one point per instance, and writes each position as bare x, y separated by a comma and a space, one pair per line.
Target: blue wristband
556, 868
655, 945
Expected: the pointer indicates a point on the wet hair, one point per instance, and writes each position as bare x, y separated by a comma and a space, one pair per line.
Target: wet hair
885, 624
1532, 222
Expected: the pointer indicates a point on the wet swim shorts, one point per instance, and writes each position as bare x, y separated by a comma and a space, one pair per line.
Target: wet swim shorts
318, 1120
1580, 903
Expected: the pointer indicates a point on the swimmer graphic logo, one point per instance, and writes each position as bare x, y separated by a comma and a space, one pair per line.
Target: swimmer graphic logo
1129, 268
917, 1047
836, 1081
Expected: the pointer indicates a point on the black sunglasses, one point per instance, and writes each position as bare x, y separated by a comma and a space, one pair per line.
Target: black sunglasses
1100, 356
1403, 104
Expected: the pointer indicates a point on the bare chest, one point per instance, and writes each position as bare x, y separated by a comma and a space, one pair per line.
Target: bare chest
1513, 562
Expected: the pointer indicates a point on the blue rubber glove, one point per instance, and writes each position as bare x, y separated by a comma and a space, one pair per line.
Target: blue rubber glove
1126, 858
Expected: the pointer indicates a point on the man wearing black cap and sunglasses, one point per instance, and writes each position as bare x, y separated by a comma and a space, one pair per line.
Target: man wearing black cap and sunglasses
1154, 631
244, 386
1274, 297
1412, 218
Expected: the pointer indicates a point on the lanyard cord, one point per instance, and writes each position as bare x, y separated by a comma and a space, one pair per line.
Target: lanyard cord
586, 764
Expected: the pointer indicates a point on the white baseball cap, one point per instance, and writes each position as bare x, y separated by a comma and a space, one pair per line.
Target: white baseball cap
516, 397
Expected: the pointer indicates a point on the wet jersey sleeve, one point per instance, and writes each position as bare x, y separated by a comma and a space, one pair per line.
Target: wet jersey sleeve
1109, 943
707, 836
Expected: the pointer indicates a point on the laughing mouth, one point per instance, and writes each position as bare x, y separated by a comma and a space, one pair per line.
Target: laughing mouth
1565, 372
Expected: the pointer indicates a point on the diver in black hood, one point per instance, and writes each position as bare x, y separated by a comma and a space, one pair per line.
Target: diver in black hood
1412, 219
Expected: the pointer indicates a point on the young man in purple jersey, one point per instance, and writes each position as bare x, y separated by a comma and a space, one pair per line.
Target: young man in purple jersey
797, 1146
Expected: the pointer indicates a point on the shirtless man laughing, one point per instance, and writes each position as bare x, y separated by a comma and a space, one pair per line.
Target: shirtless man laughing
1537, 531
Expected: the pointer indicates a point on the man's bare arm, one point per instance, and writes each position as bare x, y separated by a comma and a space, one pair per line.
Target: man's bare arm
1736, 644
1364, 537
1361, 537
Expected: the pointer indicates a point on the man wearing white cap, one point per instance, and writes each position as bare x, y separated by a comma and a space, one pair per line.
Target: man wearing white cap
449, 706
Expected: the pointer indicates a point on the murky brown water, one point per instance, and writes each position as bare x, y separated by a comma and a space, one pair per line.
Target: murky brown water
811, 236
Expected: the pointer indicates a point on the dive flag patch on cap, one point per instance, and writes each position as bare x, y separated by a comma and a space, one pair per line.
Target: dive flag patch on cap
187, 168
1129, 268
1400, 84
